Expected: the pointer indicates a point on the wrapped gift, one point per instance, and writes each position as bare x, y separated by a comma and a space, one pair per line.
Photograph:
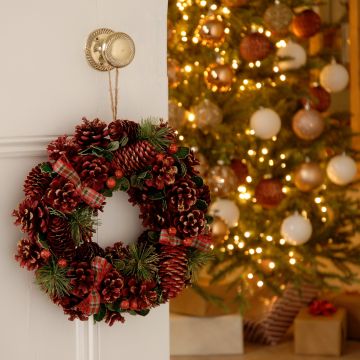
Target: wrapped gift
320, 332
219, 335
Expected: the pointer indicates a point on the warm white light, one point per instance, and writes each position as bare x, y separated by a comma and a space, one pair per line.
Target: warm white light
268, 33
269, 238
251, 65
242, 87
249, 179
241, 244
324, 209
272, 265
292, 261
260, 283
271, 162
226, 11
282, 242
195, 40
281, 43
251, 152
264, 151
282, 156
283, 165
260, 30
257, 63
230, 247
258, 250
282, 77
323, 219
213, 7
250, 276
245, 81
247, 234
291, 253
186, 17
251, 251
276, 69
317, 200
242, 189
288, 177
258, 85
202, 3
188, 68
181, 138
191, 117
261, 159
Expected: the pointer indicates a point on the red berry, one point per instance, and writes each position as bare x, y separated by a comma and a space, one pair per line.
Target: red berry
187, 242
160, 157
119, 173
172, 231
45, 254
125, 304
173, 148
62, 263
133, 304
111, 183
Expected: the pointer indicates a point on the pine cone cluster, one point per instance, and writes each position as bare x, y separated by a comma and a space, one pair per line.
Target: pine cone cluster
91, 133
36, 183
69, 303
203, 193
134, 157
192, 163
63, 145
116, 252
172, 270
32, 216
88, 250
183, 196
190, 223
111, 286
62, 195
113, 316
163, 172
153, 216
121, 128
82, 278
29, 255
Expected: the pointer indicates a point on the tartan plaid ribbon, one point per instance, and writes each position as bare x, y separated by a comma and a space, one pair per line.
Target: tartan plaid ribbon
201, 242
91, 305
90, 196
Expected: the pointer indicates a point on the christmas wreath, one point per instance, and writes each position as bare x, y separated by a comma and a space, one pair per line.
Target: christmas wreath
59, 216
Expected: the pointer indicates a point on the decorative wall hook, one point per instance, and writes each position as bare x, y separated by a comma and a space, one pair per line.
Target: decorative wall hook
106, 49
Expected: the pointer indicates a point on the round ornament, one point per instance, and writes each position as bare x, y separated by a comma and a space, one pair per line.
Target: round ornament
219, 230
227, 210
64, 195
308, 124
207, 114
212, 31
306, 24
308, 176
296, 229
240, 169
341, 169
334, 77
277, 18
268, 193
177, 115
320, 99
255, 47
296, 55
173, 73
234, 3
222, 180
266, 123
219, 77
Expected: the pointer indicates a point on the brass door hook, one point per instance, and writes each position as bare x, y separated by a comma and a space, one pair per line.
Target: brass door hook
106, 49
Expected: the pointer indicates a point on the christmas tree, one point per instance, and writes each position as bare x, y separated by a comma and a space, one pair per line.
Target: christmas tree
250, 92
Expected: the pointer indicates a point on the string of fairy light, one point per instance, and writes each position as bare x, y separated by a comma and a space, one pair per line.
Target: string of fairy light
238, 242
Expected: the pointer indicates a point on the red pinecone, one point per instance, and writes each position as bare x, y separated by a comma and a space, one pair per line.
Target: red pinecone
182, 196
134, 157
120, 128
82, 278
203, 193
93, 171
32, 216
190, 223
36, 183
88, 250
29, 255
192, 163
63, 145
138, 295
59, 238
111, 286
153, 216
62, 195
69, 303
163, 172
91, 133
113, 316
116, 252
172, 270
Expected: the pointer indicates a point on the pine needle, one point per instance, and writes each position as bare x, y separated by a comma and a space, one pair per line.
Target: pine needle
82, 223
157, 136
196, 260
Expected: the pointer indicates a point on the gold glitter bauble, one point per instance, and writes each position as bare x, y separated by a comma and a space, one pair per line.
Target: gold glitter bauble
177, 115
207, 114
219, 77
173, 73
222, 180
308, 124
212, 31
277, 18
308, 176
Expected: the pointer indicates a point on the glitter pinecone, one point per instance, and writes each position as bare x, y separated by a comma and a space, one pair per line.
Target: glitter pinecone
62, 195
29, 255
190, 223
36, 183
63, 145
182, 196
121, 128
82, 278
172, 270
88, 250
32, 216
163, 172
134, 157
59, 238
113, 316
111, 286
116, 252
91, 133
93, 171
69, 303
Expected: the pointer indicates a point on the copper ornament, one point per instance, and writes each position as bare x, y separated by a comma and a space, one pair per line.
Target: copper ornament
308, 176
212, 31
308, 124
306, 24
222, 180
268, 193
207, 114
278, 17
255, 47
219, 77
219, 230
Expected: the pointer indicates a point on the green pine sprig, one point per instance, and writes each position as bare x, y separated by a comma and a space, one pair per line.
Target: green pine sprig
196, 260
156, 135
82, 223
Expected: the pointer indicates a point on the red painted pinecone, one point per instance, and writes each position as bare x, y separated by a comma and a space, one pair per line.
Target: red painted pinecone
93, 171
63, 145
32, 216
62, 195
111, 286
82, 278
116, 252
192, 163
113, 316
59, 238
190, 223
68, 303
120, 128
163, 172
91, 133
138, 295
153, 216
88, 250
203, 193
182, 196
172, 270
29, 255
37, 183
134, 157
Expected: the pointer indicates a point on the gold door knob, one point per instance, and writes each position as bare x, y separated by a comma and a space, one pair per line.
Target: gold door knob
106, 49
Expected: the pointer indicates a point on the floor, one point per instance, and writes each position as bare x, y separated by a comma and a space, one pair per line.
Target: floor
283, 351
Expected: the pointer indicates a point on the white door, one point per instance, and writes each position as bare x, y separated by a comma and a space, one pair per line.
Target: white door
46, 87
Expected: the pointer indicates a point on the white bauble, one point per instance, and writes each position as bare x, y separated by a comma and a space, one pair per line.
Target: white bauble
341, 169
334, 77
294, 51
296, 229
227, 210
266, 123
